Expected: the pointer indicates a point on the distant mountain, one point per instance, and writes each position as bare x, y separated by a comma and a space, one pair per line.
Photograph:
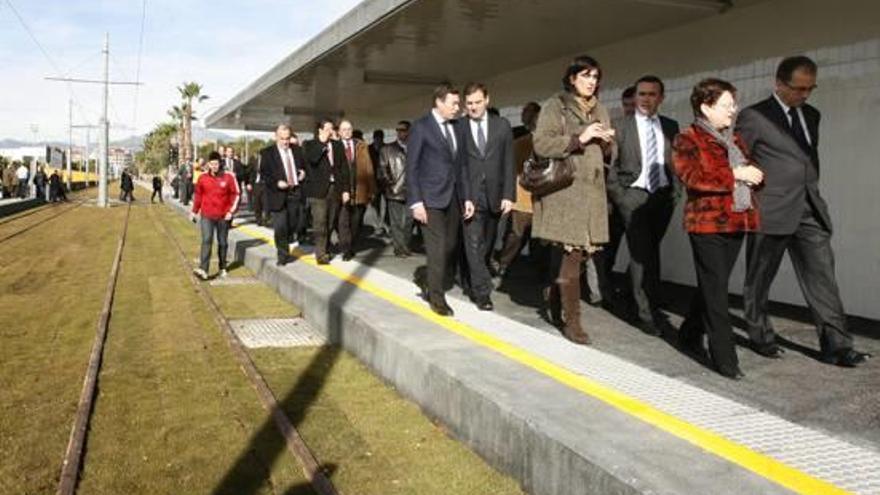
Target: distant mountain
132, 142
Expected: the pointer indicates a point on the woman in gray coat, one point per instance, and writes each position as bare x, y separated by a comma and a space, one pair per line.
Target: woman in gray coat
573, 125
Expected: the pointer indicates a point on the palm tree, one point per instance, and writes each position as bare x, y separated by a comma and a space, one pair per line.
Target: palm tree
188, 92
176, 113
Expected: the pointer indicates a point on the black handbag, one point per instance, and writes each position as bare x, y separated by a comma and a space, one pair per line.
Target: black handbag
541, 176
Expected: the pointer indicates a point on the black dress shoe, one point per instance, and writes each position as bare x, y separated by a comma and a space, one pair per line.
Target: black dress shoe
485, 304
650, 328
771, 351
733, 374
283, 259
441, 308
347, 256
323, 260
847, 358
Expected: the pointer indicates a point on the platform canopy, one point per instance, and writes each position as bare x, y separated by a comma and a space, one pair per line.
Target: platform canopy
390, 53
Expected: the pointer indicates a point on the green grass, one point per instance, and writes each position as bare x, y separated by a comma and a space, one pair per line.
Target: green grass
378, 442
52, 283
371, 439
175, 414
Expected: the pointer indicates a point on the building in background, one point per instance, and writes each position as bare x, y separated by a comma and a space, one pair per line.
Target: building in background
379, 63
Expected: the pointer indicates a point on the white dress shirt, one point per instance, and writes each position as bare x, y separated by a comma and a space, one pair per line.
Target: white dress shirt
287, 157
443, 126
785, 110
644, 125
475, 128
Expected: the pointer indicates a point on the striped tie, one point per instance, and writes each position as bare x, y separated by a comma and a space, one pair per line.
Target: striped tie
651, 156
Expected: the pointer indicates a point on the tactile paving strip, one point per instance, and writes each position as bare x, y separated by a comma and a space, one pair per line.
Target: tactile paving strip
851, 467
277, 332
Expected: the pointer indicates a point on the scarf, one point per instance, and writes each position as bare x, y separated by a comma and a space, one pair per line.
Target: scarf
742, 194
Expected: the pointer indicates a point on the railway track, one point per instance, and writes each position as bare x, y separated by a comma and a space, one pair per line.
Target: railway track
75, 446
74, 454
295, 443
66, 209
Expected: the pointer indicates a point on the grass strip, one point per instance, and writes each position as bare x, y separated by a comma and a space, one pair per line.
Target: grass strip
369, 439
175, 414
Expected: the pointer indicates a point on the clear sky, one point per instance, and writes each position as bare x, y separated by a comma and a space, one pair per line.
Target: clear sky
224, 45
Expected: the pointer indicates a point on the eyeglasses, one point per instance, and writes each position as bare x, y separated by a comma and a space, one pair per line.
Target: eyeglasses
801, 89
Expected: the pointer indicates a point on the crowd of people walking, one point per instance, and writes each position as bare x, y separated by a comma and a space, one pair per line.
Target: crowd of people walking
572, 184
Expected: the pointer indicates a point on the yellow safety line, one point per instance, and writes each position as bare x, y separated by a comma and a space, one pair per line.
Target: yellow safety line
758, 463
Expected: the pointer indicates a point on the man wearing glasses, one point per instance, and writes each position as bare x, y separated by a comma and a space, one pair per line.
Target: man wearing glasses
782, 133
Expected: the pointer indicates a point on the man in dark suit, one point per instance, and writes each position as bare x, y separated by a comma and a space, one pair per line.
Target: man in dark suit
782, 133
488, 148
437, 189
327, 187
256, 189
282, 173
641, 187
234, 166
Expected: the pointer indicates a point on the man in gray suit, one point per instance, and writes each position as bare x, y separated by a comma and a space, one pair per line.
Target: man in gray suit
492, 176
782, 133
641, 187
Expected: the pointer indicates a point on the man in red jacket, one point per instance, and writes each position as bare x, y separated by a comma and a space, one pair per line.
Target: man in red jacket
216, 198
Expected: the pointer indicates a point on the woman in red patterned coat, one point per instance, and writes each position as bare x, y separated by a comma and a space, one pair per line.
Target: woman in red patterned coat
712, 163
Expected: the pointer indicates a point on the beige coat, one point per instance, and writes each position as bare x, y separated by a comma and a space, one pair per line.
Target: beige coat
577, 215
522, 149
363, 177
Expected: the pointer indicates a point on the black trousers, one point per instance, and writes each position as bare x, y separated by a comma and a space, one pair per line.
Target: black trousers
157, 192
809, 248
517, 235
714, 258
351, 218
441, 239
286, 220
605, 258
324, 214
645, 218
258, 193
478, 235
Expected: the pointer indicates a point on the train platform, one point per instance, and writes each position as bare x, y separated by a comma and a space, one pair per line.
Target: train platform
631, 414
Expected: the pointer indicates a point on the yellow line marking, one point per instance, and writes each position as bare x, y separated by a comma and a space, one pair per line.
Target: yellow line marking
760, 464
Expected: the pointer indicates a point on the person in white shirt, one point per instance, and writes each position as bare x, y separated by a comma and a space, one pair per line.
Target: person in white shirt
641, 187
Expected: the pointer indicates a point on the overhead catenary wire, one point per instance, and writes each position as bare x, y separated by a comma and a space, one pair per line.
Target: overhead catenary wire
46, 54
137, 75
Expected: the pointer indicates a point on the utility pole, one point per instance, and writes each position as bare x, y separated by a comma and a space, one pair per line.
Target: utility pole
69, 139
104, 156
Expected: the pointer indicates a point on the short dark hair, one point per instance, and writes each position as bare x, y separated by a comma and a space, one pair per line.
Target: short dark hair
533, 106
707, 92
628, 92
788, 65
648, 78
441, 92
214, 155
403, 123
378, 133
473, 87
320, 123
578, 65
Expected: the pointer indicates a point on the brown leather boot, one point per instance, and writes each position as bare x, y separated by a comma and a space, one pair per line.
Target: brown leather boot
570, 295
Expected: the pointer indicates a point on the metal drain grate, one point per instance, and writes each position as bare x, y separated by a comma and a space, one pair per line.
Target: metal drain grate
277, 332
233, 281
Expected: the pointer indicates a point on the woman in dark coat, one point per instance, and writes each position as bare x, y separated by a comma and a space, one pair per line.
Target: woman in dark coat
573, 125
712, 163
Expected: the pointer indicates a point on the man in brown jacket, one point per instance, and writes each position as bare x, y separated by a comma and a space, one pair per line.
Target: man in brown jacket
519, 230
363, 187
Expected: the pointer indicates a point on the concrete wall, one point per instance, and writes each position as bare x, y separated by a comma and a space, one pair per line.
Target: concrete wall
744, 46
